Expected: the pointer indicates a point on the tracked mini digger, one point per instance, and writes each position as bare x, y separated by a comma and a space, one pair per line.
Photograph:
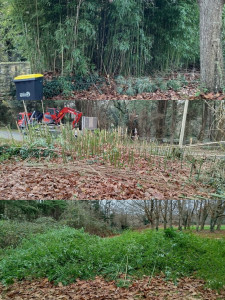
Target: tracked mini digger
53, 116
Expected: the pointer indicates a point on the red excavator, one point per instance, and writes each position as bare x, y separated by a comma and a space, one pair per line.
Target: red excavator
23, 119
52, 116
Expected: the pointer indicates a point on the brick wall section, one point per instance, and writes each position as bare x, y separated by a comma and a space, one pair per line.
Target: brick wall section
9, 70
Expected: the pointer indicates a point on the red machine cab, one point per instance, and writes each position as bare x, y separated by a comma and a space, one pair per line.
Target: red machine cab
22, 119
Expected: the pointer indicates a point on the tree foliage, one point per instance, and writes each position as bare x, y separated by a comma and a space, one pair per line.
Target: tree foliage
115, 37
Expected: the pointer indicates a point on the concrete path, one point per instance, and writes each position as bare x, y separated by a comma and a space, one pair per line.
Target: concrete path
16, 135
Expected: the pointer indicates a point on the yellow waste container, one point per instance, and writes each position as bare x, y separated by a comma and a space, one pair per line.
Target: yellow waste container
29, 87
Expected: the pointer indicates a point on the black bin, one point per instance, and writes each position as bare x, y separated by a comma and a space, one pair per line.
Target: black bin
29, 87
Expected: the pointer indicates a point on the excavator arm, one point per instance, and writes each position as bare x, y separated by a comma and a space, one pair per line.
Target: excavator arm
68, 110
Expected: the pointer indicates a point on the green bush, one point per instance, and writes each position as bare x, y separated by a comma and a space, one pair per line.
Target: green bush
144, 85
170, 233
174, 85
66, 85
78, 215
51, 88
24, 152
13, 232
134, 86
7, 152
81, 83
66, 254
161, 84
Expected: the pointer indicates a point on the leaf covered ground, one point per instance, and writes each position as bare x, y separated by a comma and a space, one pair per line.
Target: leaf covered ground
105, 165
147, 288
169, 87
89, 179
109, 93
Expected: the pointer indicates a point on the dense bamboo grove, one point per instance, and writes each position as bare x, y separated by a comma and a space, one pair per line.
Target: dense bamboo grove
132, 37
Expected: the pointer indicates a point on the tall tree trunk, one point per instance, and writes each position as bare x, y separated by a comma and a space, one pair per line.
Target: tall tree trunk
204, 121
220, 122
217, 212
180, 214
212, 223
149, 207
173, 121
211, 55
188, 122
185, 219
152, 213
157, 214
161, 118
165, 214
198, 207
204, 215
212, 120
171, 214
189, 221
219, 223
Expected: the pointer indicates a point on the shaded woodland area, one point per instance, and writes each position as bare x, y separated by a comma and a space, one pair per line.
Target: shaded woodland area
183, 214
109, 217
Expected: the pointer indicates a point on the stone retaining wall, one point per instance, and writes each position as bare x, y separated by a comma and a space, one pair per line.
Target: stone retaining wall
8, 70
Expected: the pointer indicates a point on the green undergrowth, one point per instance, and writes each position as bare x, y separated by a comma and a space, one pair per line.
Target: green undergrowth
66, 85
217, 178
66, 254
13, 232
25, 151
133, 86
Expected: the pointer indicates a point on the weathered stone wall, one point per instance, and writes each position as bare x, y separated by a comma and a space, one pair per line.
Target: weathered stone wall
3, 55
8, 70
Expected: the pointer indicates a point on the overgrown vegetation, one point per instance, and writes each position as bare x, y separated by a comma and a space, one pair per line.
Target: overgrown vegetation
137, 136
116, 148
13, 232
21, 219
66, 254
134, 86
25, 152
66, 85
112, 37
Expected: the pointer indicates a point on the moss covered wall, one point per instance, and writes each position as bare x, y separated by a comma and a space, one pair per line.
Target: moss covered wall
8, 70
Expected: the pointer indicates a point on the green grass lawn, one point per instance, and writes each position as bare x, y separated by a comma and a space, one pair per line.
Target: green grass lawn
63, 255
207, 227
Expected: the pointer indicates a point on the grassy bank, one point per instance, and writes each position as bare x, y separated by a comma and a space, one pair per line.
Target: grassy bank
63, 255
